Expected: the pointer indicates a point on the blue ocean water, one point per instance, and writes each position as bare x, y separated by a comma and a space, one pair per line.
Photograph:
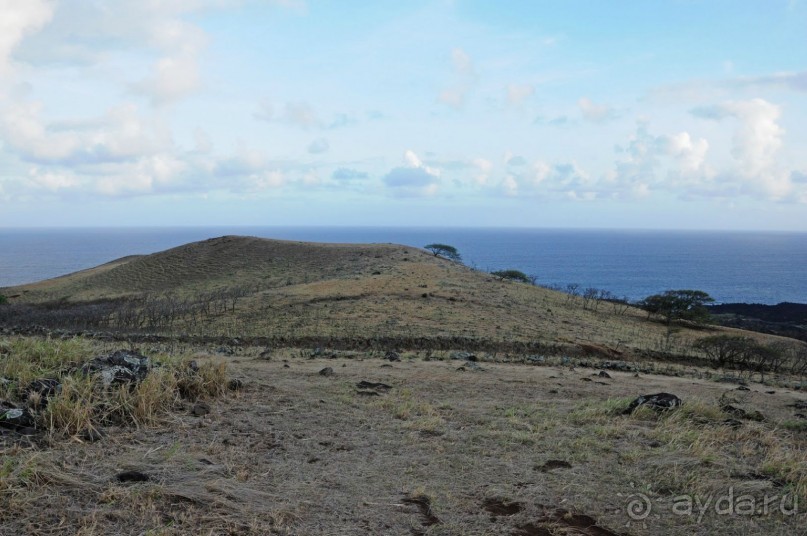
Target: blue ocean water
731, 266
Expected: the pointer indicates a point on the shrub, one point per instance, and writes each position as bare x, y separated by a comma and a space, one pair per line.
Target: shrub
512, 275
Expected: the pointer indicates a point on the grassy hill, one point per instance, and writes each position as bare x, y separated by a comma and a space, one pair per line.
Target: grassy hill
418, 446
347, 294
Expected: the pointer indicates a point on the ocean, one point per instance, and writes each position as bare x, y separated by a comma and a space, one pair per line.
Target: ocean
752, 267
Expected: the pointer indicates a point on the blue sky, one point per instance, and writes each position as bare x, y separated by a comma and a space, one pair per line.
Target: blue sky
626, 114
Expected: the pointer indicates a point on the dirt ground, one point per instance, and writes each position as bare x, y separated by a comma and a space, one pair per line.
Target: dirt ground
509, 449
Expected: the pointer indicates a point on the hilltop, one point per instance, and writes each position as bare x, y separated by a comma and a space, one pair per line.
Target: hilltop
340, 295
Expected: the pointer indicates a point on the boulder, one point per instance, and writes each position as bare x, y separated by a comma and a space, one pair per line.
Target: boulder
659, 401
14, 418
119, 367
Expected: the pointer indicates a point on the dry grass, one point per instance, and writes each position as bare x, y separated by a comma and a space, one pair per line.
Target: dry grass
83, 404
299, 453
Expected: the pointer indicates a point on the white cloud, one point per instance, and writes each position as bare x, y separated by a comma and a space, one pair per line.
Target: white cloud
517, 94
462, 62
414, 179
19, 18
756, 143
596, 113
483, 170
319, 146
454, 98
295, 113
118, 135
455, 95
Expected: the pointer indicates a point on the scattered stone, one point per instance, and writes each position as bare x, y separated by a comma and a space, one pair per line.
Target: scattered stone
316, 352
463, 356
660, 401
286, 365
585, 379
200, 409
386, 365
799, 404
502, 507
377, 386
266, 355
770, 392
536, 359
554, 464
16, 419
392, 356
742, 388
654, 444
235, 384
604, 374
620, 366
327, 371
132, 476
224, 350
741, 413
119, 367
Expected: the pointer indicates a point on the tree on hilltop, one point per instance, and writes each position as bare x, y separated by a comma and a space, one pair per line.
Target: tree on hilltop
679, 305
444, 250
512, 275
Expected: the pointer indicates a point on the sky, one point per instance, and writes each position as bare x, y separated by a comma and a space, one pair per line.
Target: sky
676, 114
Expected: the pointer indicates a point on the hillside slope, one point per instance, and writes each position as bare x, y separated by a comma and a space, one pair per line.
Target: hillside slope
351, 293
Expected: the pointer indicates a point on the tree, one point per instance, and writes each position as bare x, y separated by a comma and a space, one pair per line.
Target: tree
444, 250
3, 299
512, 275
678, 305
725, 349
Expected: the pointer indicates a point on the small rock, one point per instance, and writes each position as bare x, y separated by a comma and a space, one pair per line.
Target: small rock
603, 374
743, 388
373, 385
266, 355
660, 401
235, 384
15, 418
200, 409
92, 435
392, 356
463, 356
327, 371
132, 476
554, 464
